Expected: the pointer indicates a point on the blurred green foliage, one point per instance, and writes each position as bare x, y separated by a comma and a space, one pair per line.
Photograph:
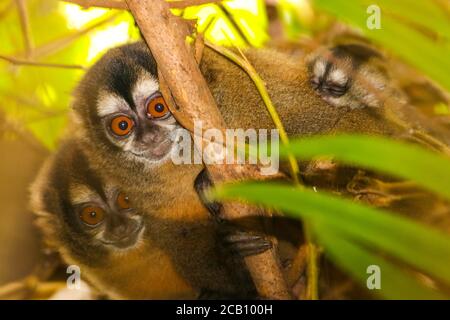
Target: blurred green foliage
356, 235
38, 98
233, 22
398, 159
417, 31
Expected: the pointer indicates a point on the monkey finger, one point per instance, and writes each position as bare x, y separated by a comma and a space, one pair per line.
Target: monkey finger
250, 249
201, 184
245, 244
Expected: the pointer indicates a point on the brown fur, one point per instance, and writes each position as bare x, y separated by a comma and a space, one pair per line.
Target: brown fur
180, 256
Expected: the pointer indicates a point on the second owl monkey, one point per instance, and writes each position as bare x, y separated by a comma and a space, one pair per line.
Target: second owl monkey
96, 227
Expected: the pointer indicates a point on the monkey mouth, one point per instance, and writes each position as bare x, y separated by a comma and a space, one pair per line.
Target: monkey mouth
128, 241
163, 148
155, 153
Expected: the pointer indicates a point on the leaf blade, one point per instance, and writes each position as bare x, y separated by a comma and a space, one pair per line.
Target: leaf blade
395, 284
417, 245
422, 166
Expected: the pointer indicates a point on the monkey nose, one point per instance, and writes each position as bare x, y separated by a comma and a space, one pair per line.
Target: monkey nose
153, 139
120, 227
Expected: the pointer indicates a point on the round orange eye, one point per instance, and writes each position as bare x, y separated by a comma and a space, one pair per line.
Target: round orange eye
121, 125
123, 201
157, 108
92, 215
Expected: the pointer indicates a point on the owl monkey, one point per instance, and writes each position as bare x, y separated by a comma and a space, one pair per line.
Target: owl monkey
128, 134
94, 225
128, 131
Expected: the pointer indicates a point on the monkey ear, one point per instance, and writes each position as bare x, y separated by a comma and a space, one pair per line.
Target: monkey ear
201, 184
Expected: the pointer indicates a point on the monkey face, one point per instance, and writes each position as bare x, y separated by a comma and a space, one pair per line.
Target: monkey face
83, 214
109, 221
145, 132
121, 111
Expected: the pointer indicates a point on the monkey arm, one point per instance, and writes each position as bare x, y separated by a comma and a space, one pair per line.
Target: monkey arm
241, 242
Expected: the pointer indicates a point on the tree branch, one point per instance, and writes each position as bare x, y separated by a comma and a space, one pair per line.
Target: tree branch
109, 4
182, 4
165, 33
60, 43
121, 4
25, 26
40, 64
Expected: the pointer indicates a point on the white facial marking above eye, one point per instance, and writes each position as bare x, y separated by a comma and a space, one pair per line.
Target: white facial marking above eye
145, 86
110, 191
169, 123
109, 103
79, 194
320, 68
338, 76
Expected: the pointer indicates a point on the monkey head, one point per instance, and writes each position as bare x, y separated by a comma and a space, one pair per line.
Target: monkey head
351, 75
81, 215
121, 112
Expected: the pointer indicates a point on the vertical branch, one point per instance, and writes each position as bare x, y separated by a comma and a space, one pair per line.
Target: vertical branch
25, 26
166, 34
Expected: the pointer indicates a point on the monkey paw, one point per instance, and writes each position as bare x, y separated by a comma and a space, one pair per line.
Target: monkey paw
201, 184
245, 244
241, 243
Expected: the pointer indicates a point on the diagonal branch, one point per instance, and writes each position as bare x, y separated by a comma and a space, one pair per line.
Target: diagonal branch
61, 43
165, 33
182, 4
110, 4
40, 64
25, 26
121, 4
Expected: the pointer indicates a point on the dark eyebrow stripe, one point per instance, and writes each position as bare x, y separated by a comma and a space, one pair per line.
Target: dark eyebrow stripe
122, 77
123, 68
141, 56
149, 65
85, 174
70, 166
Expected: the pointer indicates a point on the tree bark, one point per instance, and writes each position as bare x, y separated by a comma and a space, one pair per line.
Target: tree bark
166, 34
121, 4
